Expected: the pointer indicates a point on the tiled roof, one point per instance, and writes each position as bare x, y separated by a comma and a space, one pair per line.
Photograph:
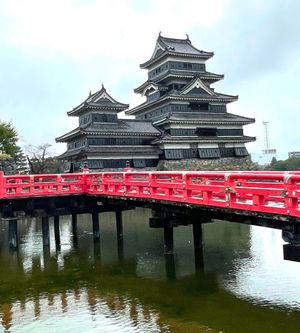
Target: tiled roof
113, 151
175, 47
206, 76
189, 74
181, 46
124, 127
201, 117
172, 96
205, 139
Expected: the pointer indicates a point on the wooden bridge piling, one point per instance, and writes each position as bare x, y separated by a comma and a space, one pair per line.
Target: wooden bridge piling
74, 228
119, 224
119, 227
13, 233
56, 232
97, 251
198, 246
96, 226
168, 238
197, 234
45, 231
170, 267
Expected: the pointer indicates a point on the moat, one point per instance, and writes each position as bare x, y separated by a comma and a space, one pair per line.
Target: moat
241, 284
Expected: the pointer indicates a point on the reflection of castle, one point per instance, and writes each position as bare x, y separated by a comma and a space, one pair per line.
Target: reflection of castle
183, 117
86, 308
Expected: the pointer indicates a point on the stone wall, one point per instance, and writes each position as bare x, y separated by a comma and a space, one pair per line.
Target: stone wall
226, 164
229, 163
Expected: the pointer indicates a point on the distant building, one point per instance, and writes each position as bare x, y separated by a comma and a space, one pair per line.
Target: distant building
294, 154
183, 117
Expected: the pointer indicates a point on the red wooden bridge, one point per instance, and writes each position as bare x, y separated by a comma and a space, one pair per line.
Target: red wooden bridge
276, 193
269, 199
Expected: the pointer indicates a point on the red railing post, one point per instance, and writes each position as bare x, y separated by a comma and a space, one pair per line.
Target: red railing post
83, 180
2, 192
291, 199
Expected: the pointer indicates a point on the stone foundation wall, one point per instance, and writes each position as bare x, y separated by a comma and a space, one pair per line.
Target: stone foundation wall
226, 164
229, 163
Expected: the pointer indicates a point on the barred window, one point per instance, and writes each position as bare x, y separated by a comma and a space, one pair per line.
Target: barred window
209, 152
190, 153
173, 154
139, 163
240, 151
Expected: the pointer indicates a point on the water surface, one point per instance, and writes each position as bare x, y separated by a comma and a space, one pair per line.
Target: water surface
241, 285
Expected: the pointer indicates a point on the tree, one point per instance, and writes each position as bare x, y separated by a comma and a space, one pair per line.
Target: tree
11, 155
290, 164
21, 162
8, 139
40, 160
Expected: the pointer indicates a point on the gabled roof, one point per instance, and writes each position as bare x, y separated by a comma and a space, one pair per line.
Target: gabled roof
176, 47
150, 85
198, 85
100, 100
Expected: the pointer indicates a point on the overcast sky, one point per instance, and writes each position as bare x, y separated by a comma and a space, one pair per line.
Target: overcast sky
54, 51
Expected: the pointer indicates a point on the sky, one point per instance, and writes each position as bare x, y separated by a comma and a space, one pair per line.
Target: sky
53, 52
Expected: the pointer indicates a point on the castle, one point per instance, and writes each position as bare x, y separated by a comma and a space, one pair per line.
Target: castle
182, 120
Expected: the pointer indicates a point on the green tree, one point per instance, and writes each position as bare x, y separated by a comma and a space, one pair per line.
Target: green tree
10, 153
8, 139
290, 164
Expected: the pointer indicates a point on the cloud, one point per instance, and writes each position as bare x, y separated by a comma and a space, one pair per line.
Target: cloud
105, 28
257, 37
54, 52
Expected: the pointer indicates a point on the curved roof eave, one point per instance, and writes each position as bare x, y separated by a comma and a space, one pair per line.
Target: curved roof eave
150, 62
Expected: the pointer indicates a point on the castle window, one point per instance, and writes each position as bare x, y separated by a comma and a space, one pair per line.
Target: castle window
206, 131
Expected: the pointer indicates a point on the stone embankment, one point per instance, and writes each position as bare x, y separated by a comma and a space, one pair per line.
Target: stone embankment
230, 163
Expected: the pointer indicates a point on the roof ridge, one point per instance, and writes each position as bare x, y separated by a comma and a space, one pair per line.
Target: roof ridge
170, 39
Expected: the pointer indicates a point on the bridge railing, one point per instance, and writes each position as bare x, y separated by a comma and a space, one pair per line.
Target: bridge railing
41, 185
268, 192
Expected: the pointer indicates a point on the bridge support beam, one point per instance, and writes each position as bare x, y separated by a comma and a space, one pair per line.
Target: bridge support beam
13, 233
45, 231
96, 227
56, 231
119, 226
168, 238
